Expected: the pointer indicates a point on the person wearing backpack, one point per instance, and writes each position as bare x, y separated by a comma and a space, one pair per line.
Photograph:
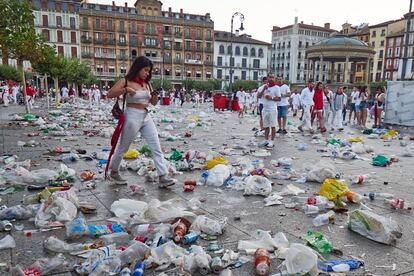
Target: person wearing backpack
138, 94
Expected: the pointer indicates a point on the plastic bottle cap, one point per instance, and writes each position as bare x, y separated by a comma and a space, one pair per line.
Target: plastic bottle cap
262, 269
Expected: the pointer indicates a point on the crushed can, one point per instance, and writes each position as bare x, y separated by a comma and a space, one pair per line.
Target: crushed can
5, 225
216, 265
190, 238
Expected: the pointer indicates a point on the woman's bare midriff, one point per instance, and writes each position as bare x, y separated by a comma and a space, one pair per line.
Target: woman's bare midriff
137, 105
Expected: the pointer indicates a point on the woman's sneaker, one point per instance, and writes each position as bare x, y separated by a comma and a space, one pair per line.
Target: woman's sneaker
116, 177
270, 145
263, 143
166, 181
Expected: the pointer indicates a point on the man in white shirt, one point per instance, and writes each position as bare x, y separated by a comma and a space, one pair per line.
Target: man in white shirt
241, 97
260, 92
353, 99
306, 99
295, 102
271, 96
15, 92
65, 93
283, 105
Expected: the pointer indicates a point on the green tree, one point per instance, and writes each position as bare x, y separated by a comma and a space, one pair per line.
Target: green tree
18, 35
166, 84
188, 84
247, 85
8, 72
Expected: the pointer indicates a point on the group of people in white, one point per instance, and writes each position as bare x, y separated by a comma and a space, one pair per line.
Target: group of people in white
9, 92
321, 108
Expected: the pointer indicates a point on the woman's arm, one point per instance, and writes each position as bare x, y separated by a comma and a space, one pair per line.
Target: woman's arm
118, 89
154, 97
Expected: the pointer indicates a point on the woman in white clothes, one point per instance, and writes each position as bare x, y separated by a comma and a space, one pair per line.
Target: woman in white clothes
306, 99
137, 87
327, 105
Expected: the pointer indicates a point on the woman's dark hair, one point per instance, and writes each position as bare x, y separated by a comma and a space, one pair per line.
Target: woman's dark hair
319, 83
137, 65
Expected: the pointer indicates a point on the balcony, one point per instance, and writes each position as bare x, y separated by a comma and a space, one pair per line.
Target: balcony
155, 59
167, 59
111, 41
85, 39
107, 56
209, 50
193, 61
122, 57
178, 48
121, 30
360, 74
199, 49
104, 74
178, 34
209, 38
86, 55
85, 26
98, 41
178, 60
122, 43
208, 63
167, 46
167, 33
188, 36
199, 37
150, 45
150, 32
188, 48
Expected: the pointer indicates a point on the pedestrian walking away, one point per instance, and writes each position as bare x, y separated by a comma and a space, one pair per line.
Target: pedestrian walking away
139, 95
241, 98
338, 104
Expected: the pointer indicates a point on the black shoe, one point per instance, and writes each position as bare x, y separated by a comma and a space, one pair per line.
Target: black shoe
279, 131
300, 119
284, 131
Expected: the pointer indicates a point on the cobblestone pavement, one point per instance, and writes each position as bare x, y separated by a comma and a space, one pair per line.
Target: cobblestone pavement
245, 214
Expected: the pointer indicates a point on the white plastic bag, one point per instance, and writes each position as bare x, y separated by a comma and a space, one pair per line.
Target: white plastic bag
208, 225
217, 175
321, 171
291, 190
374, 227
54, 212
358, 148
262, 240
7, 242
258, 185
125, 208
300, 259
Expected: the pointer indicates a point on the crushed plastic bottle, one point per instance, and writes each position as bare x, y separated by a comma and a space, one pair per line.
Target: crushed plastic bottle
262, 262
334, 266
360, 179
324, 219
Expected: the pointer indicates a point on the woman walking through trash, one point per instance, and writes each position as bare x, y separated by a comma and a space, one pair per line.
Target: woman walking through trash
139, 95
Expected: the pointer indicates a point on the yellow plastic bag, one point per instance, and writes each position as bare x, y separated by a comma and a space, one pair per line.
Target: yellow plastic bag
131, 154
214, 162
194, 118
333, 188
391, 134
355, 140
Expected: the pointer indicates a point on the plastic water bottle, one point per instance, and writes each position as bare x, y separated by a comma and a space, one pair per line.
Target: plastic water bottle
374, 195
324, 219
139, 269
310, 209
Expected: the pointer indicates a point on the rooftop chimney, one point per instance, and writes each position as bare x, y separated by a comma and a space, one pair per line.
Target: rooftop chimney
301, 22
126, 6
327, 26
181, 11
169, 12
296, 20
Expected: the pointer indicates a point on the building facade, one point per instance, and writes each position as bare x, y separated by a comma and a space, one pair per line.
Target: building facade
288, 49
249, 61
408, 72
58, 21
179, 44
394, 47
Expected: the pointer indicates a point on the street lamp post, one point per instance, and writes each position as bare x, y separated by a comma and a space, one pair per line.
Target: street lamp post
241, 16
407, 40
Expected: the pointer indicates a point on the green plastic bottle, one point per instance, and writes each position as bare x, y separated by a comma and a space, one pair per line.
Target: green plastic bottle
318, 241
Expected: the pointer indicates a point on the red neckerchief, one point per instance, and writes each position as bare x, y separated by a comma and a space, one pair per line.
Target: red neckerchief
271, 85
280, 85
139, 81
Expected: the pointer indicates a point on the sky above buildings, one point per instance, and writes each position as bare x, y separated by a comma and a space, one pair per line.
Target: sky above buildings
262, 15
